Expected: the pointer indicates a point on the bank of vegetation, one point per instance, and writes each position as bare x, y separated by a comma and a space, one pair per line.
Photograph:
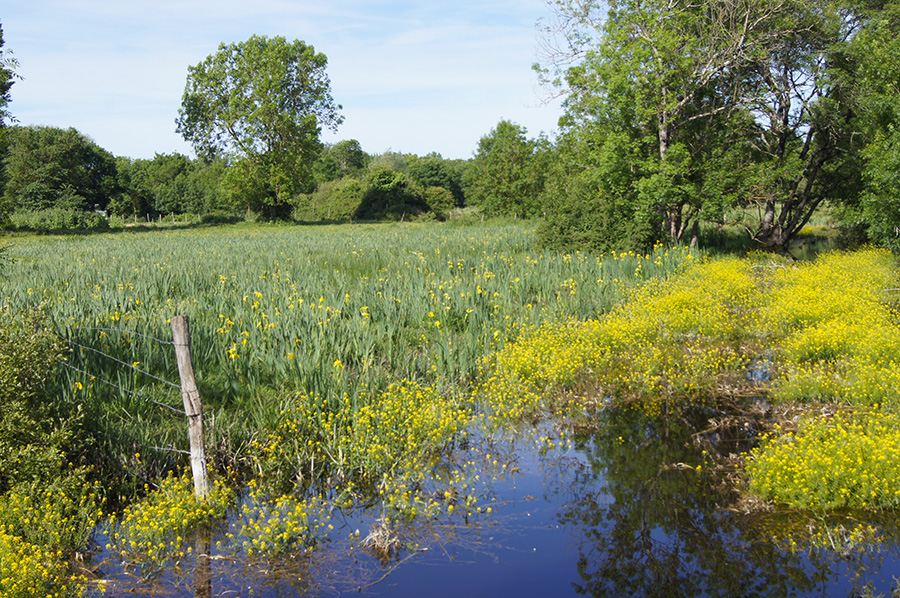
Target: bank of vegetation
350, 363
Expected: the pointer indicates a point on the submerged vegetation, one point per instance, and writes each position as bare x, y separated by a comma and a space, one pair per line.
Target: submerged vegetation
351, 367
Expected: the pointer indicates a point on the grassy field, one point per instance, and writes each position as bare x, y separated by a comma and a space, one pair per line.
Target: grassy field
344, 365
285, 317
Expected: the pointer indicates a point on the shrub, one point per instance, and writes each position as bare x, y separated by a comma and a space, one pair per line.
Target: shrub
35, 434
56, 219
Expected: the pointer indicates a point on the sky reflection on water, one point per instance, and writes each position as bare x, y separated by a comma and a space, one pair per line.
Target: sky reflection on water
623, 511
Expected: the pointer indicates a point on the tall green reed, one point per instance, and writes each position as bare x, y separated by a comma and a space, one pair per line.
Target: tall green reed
282, 311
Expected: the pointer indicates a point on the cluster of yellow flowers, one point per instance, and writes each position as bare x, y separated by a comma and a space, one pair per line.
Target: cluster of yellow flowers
676, 338
159, 526
279, 525
31, 571
844, 461
839, 337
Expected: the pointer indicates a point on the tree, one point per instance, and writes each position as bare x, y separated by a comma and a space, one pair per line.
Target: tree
434, 171
263, 102
389, 194
874, 51
47, 167
344, 158
505, 177
706, 89
8, 66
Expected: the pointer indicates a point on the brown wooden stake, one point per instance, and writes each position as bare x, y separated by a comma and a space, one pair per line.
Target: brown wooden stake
193, 408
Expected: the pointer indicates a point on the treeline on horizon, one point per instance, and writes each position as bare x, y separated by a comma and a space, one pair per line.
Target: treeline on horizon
680, 120
60, 179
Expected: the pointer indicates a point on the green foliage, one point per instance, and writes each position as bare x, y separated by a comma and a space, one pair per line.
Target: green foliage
591, 194
169, 184
8, 66
58, 219
507, 174
48, 167
334, 200
58, 513
439, 200
874, 50
264, 102
722, 104
37, 433
344, 158
390, 195
434, 171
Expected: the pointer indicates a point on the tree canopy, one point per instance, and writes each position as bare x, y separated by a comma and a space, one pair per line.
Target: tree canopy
263, 102
710, 106
505, 177
48, 167
8, 65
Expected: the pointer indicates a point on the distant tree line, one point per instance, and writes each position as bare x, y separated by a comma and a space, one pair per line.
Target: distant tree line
679, 117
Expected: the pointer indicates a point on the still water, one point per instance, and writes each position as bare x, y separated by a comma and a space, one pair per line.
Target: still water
628, 505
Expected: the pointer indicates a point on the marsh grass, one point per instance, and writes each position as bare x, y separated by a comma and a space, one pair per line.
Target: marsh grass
280, 314
349, 365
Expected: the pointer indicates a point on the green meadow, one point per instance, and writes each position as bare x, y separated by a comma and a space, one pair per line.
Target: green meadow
348, 365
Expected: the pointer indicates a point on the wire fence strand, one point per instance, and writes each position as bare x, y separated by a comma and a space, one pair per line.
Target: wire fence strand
131, 392
126, 364
123, 331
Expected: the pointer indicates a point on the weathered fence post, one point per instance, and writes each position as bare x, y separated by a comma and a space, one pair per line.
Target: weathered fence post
193, 408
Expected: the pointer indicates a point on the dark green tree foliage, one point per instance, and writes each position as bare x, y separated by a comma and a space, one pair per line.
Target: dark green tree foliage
169, 184
8, 65
506, 176
390, 195
48, 168
723, 104
876, 50
344, 158
263, 102
349, 156
335, 200
434, 171
595, 204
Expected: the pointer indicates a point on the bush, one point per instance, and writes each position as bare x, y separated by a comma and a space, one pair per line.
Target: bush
335, 200
440, 201
34, 435
57, 219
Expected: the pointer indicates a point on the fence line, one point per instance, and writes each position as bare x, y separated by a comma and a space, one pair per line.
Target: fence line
193, 408
123, 331
126, 364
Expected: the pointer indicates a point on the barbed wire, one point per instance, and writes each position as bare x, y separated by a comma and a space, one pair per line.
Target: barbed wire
113, 384
168, 450
126, 364
123, 331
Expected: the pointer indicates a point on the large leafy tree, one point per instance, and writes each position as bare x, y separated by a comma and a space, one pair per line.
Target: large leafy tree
875, 51
707, 90
434, 171
48, 167
506, 177
263, 102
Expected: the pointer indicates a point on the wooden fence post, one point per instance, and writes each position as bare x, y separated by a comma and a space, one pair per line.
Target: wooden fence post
193, 408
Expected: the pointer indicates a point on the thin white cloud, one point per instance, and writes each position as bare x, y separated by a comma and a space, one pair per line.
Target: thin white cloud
420, 77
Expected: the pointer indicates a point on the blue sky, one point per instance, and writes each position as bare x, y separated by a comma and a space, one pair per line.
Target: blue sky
411, 77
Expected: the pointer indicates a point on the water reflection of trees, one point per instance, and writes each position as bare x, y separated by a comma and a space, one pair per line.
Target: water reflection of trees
652, 524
